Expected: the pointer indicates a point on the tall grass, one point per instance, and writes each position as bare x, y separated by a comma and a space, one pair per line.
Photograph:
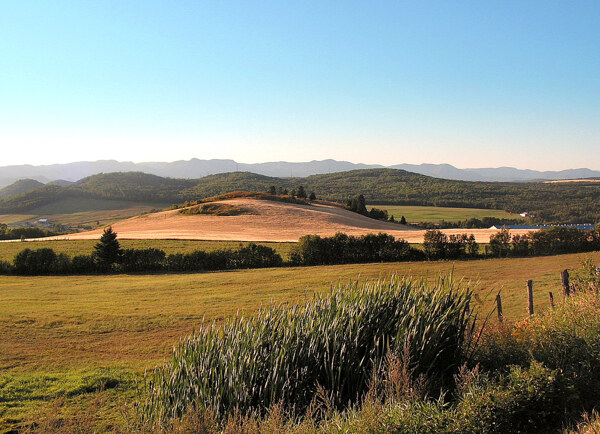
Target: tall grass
332, 344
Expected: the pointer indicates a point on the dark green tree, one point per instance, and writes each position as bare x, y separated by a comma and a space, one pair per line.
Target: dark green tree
272, 190
301, 193
435, 244
108, 250
402, 220
312, 196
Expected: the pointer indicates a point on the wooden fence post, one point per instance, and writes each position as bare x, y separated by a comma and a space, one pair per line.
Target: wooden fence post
499, 305
564, 278
530, 295
551, 299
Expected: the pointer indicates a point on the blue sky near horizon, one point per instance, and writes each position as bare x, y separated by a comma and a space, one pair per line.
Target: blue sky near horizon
473, 84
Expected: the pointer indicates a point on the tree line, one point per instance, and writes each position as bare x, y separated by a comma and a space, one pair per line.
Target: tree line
7, 233
108, 257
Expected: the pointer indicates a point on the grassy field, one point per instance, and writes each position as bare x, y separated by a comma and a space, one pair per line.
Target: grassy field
68, 336
84, 212
85, 247
419, 214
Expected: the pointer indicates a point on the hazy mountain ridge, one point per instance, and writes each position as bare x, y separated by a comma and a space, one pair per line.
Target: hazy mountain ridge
196, 168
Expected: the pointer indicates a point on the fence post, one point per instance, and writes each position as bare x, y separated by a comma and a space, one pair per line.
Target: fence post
499, 305
530, 295
564, 278
551, 299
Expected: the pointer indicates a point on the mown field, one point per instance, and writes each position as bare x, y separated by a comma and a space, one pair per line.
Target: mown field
69, 336
85, 247
435, 214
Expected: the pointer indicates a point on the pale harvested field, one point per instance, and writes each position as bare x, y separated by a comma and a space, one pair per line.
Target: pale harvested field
562, 181
270, 221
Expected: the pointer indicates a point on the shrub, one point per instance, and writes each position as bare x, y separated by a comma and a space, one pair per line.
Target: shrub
40, 261
567, 339
142, 260
284, 354
344, 249
255, 256
82, 264
5, 267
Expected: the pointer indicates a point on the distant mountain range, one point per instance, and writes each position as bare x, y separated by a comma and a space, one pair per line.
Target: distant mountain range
196, 168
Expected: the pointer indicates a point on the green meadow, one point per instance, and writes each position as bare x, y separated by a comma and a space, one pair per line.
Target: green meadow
74, 341
435, 214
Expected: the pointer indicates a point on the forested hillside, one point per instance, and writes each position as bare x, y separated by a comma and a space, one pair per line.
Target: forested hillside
20, 186
550, 202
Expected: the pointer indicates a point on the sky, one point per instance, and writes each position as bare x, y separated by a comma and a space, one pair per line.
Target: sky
472, 84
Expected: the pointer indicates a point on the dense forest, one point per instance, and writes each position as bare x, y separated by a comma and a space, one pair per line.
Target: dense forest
549, 202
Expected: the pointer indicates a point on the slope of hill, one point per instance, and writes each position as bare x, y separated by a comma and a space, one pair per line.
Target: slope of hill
196, 168
18, 187
551, 202
262, 220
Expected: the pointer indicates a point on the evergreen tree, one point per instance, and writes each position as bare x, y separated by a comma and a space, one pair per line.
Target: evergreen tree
312, 196
403, 221
272, 190
108, 250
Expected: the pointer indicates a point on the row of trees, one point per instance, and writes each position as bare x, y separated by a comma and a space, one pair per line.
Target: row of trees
310, 250
108, 257
551, 241
7, 233
344, 249
300, 193
358, 205
472, 223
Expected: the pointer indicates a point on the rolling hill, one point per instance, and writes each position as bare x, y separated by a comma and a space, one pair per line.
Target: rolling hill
260, 220
550, 202
20, 186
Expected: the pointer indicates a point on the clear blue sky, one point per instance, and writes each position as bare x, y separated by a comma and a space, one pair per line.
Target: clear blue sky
473, 84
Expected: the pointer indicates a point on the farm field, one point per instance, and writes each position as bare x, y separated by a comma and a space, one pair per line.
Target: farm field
84, 212
265, 221
435, 214
70, 335
85, 247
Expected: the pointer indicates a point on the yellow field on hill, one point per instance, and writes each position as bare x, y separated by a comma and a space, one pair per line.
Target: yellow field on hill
266, 221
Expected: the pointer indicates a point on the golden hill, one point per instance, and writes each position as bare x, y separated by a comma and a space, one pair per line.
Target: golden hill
260, 220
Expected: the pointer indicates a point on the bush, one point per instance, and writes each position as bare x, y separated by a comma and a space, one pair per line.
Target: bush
83, 264
344, 249
255, 256
41, 261
5, 267
567, 339
133, 260
285, 354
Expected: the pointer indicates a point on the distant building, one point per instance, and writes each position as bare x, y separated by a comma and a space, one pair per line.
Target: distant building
43, 221
526, 214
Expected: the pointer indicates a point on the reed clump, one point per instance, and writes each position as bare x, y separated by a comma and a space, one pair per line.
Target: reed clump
330, 346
